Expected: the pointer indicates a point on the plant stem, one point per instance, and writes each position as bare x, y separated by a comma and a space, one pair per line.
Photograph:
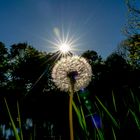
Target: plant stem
70, 112
71, 117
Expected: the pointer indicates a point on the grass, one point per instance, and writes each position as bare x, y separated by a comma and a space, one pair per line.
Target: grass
107, 113
112, 124
12, 121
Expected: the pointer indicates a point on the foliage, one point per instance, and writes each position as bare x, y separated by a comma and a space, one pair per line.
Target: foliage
133, 20
130, 47
108, 109
132, 50
3, 64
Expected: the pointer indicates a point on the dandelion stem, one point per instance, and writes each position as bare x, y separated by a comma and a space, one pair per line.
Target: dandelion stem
70, 110
70, 117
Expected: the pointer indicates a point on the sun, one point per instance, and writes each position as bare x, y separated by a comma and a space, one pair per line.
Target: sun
65, 48
64, 43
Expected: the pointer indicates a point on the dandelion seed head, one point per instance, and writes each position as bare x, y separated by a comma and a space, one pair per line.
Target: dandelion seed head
71, 66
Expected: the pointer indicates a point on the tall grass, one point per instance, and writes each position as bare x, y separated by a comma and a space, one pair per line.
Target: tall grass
112, 124
110, 113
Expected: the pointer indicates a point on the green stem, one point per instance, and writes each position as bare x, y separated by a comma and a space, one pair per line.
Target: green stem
70, 111
71, 117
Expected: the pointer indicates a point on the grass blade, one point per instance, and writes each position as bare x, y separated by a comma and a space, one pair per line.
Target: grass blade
114, 135
78, 114
12, 122
114, 102
98, 130
82, 114
132, 95
108, 113
135, 118
19, 120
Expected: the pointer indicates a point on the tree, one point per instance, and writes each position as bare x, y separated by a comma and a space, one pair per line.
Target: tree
95, 61
3, 64
92, 56
117, 69
98, 70
26, 66
131, 49
133, 21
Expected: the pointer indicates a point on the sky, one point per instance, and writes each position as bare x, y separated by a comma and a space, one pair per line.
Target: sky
90, 24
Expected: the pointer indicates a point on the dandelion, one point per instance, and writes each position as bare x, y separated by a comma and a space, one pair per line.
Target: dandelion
71, 70
71, 74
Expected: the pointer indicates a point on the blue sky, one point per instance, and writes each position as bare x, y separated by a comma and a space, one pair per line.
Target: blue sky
95, 24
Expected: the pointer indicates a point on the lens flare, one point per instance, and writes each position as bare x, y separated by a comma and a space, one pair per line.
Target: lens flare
64, 43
